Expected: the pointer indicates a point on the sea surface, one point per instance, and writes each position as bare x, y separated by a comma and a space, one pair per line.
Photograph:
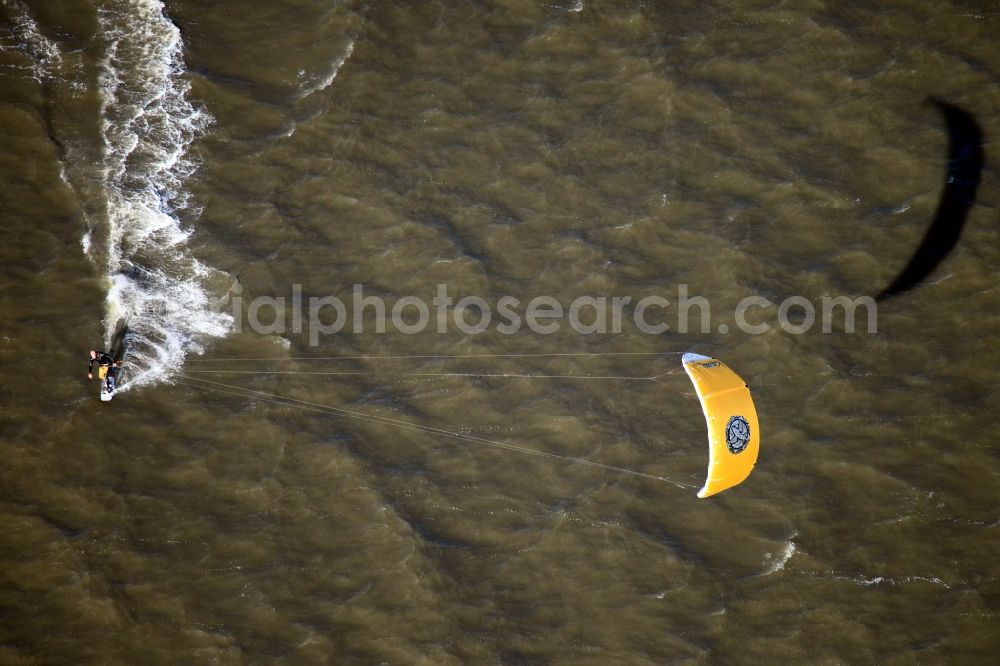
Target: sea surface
262, 492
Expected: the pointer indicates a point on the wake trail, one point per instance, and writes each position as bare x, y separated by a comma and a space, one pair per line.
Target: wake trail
147, 124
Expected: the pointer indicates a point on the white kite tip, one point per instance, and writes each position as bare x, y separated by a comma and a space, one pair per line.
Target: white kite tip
691, 357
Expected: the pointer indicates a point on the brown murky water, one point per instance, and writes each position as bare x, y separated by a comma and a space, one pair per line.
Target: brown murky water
154, 163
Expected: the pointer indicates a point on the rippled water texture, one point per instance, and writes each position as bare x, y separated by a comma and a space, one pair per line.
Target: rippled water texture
158, 159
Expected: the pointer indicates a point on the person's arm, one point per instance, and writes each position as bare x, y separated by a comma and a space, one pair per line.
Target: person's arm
90, 366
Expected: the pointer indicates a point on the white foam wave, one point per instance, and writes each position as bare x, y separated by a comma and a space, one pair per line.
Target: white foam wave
148, 125
575, 7
327, 80
869, 581
27, 37
774, 564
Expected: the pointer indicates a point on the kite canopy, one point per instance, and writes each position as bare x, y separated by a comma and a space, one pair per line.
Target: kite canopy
733, 431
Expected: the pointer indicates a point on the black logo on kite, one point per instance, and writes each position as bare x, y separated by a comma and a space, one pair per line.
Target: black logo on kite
737, 434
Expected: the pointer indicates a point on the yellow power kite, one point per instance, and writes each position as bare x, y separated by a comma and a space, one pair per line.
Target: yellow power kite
733, 430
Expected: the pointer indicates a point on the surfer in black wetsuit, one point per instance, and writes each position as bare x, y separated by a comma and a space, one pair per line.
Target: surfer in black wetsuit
107, 368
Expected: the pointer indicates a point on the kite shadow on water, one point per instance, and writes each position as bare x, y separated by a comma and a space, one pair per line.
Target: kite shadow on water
965, 162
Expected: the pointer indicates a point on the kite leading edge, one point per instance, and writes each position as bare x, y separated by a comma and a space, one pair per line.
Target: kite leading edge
733, 430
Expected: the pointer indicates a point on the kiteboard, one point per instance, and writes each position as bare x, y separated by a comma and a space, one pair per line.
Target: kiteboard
110, 385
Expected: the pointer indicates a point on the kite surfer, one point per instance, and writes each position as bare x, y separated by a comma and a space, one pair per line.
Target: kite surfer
107, 368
